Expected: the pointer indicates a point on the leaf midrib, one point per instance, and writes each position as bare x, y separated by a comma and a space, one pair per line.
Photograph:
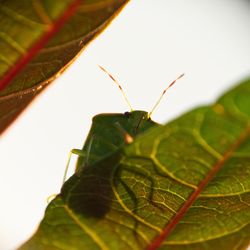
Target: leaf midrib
158, 240
39, 44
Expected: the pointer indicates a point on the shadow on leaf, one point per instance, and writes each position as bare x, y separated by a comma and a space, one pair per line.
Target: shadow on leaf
90, 194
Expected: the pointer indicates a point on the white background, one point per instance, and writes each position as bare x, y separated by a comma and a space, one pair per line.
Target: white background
147, 46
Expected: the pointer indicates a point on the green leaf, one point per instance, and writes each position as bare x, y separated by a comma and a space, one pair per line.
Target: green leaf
185, 185
39, 39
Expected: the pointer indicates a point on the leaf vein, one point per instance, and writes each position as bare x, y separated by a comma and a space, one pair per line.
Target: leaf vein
86, 229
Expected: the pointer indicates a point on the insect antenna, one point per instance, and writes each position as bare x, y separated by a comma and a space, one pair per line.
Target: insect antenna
119, 86
163, 93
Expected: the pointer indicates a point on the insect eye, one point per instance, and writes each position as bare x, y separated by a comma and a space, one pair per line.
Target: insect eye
127, 114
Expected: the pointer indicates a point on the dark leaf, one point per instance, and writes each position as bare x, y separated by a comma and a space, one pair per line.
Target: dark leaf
38, 40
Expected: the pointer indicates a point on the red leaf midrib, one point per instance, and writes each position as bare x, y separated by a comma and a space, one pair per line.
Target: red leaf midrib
39, 44
157, 241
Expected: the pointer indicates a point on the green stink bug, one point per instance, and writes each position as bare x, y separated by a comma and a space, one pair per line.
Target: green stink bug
109, 132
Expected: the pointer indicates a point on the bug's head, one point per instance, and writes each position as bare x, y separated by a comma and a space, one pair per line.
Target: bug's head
139, 120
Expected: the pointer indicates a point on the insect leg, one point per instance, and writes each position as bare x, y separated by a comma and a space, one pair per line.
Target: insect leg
85, 154
74, 151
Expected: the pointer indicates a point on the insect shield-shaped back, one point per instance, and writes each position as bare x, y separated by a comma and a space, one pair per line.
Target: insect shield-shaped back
93, 192
109, 132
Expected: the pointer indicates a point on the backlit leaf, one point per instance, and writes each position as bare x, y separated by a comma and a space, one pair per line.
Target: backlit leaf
38, 40
185, 185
